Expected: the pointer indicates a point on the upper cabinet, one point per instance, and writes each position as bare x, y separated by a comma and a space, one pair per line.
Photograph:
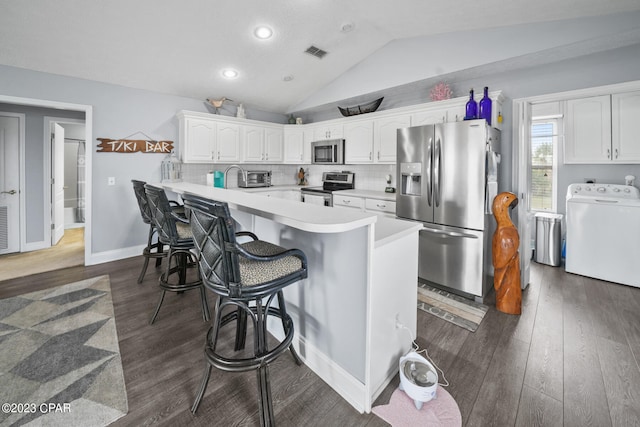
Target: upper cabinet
297, 144
370, 138
602, 129
262, 144
624, 126
197, 140
358, 142
588, 130
328, 131
385, 137
207, 141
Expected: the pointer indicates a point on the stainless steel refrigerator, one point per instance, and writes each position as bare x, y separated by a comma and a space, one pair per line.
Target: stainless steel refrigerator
447, 176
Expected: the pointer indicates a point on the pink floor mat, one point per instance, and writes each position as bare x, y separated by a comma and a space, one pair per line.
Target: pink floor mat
401, 411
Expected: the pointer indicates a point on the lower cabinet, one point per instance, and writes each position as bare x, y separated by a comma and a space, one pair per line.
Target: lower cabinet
367, 204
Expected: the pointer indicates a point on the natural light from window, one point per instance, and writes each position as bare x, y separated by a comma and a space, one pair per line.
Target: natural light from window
544, 143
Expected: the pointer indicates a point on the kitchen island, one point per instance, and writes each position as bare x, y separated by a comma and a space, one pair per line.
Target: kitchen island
362, 283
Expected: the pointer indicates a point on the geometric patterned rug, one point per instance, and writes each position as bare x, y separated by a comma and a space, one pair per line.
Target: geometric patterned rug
60, 361
451, 307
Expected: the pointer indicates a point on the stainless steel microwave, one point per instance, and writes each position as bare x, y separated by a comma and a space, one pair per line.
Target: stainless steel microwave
329, 152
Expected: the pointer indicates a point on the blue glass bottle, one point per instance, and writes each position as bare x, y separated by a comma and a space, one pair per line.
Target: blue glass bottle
471, 111
485, 106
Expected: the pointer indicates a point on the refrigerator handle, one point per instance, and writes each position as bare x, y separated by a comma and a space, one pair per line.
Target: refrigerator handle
436, 174
428, 172
442, 233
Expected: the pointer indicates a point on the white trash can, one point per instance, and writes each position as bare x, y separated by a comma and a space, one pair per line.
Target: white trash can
548, 238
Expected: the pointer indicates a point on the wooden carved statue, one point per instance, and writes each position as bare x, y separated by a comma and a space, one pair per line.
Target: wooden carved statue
506, 259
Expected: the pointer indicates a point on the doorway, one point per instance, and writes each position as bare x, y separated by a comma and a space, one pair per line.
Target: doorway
40, 172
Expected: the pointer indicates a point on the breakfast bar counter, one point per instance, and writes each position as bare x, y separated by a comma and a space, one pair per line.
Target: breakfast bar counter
362, 282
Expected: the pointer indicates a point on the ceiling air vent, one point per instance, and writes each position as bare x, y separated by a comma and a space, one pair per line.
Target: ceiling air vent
317, 52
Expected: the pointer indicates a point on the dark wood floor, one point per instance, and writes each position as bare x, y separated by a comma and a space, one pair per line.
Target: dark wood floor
570, 359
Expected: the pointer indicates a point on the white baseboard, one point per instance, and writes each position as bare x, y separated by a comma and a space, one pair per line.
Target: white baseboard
352, 390
114, 255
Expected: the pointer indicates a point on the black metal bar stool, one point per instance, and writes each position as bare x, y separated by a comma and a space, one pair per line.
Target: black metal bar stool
174, 231
152, 250
247, 277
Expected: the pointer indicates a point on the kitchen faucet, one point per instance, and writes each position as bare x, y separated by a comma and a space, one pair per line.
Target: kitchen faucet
244, 173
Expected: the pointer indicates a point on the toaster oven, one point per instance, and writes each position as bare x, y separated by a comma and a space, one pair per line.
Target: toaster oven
254, 179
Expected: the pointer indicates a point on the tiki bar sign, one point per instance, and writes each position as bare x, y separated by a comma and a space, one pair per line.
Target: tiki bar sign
133, 146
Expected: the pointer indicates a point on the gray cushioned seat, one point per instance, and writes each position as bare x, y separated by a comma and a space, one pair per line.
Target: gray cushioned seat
255, 272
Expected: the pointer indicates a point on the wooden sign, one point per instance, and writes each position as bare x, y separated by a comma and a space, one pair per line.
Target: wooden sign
133, 146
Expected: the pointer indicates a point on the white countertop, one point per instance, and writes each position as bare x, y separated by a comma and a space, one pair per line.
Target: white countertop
371, 194
307, 217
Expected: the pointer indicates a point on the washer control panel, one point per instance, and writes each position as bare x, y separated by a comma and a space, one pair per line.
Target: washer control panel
618, 191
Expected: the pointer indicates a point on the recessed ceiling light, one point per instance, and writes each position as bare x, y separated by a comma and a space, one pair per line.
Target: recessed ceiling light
263, 32
287, 78
229, 73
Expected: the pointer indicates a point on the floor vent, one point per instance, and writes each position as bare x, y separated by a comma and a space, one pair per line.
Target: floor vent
4, 228
315, 51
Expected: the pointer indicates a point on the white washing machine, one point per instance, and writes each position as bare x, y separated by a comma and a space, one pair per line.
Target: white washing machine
603, 232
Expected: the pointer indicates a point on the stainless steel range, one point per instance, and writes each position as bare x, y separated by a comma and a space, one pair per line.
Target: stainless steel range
331, 181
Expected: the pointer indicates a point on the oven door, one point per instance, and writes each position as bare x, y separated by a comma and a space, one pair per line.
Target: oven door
318, 199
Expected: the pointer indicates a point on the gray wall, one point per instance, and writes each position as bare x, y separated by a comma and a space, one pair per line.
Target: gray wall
34, 164
117, 113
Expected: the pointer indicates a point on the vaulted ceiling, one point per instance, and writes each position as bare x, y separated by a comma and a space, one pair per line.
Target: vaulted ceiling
182, 47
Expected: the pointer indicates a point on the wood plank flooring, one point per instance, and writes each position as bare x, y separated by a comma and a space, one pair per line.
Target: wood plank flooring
570, 359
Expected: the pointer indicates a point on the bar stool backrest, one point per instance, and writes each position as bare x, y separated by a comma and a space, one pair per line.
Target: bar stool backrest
215, 240
143, 204
162, 215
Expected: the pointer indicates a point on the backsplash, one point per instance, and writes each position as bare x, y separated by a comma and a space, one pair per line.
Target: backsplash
368, 177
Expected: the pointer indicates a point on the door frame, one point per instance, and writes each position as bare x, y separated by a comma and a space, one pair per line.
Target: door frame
48, 170
88, 120
22, 118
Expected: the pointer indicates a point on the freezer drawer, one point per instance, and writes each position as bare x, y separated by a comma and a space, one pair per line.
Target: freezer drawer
452, 257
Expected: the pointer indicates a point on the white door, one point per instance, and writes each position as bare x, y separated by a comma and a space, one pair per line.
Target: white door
9, 184
521, 161
57, 184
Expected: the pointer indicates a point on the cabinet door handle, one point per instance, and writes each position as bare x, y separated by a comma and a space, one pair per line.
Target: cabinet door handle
212, 156
378, 155
370, 155
608, 153
346, 202
381, 205
616, 151
218, 155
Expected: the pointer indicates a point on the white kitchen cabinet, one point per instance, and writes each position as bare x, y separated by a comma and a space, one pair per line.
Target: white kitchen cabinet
208, 141
588, 130
385, 137
262, 144
365, 200
625, 110
253, 144
273, 144
380, 206
198, 140
348, 201
297, 148
428, 117
358, 142
328, 131
227, 143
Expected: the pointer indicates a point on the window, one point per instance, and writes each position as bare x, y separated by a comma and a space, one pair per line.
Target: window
544, 143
